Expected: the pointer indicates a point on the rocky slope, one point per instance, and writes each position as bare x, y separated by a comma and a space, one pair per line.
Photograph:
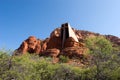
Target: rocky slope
81, 35
52, 46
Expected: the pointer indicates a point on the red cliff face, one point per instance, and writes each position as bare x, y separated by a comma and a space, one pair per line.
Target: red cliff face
53, 46
31, 45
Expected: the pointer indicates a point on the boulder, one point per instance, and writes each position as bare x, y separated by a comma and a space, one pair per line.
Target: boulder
31, 45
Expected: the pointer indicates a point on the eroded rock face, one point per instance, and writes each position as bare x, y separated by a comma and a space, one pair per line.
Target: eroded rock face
64, 41
70, 42
55, 40
70, 48
74, 52
51, 52
44, 44
53, 46
31, 45
56, 33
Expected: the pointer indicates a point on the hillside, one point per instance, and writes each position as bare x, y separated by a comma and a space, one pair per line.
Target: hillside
67, 54
65, 41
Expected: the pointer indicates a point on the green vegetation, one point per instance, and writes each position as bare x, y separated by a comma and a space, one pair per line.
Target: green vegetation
105, 58
99, 43
63, 59
104, 64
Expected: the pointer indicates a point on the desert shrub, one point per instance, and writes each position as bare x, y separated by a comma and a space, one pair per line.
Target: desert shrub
99, 43
4, 64
115, 74
105, 59
33, 67
63, 59
64, 72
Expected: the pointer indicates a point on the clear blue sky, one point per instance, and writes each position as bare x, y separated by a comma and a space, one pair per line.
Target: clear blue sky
22, 18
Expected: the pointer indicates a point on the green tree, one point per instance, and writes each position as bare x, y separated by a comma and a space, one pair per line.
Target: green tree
99, 43
103, 58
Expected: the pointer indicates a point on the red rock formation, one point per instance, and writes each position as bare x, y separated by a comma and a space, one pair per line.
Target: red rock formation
56, 33
70, 42
113, 39
54, 42
53, 46
74, 52
51, 52
44, 44
82, 35
71, 47
31, 45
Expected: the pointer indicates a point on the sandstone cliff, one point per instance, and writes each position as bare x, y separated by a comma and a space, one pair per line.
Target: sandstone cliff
61, 43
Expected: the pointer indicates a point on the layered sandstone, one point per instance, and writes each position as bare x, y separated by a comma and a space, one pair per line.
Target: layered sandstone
61, 42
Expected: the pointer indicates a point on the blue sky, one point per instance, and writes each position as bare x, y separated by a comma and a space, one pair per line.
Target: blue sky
22, 18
